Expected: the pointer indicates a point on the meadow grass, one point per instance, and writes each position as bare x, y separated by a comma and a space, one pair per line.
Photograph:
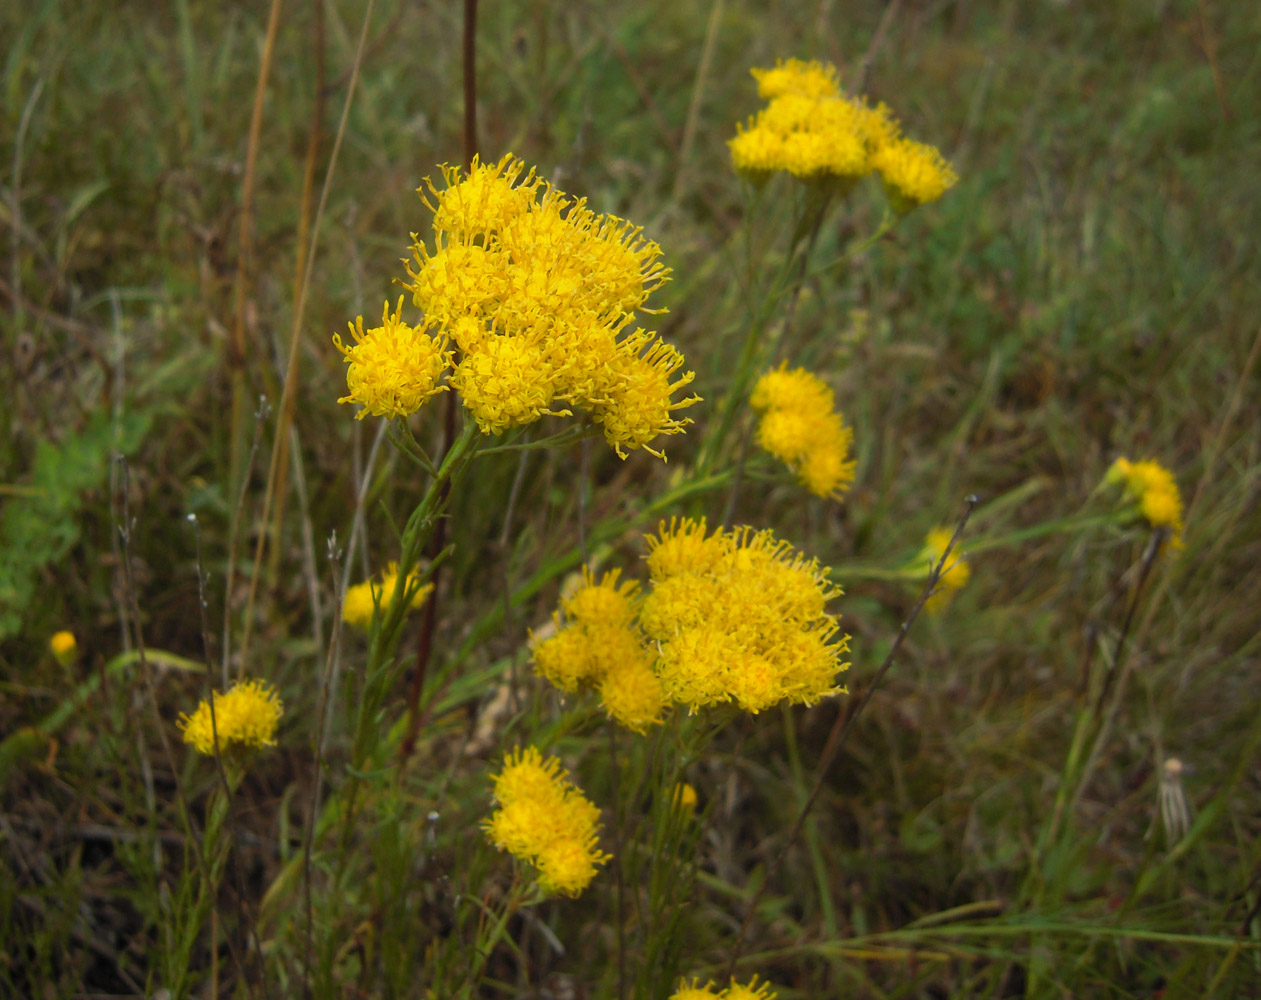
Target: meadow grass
992, 826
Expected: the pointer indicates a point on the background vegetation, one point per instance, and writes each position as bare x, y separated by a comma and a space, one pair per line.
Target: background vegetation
1089, 289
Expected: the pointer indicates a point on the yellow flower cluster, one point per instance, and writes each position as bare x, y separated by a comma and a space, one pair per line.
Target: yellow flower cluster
736, 616
247, 715
957, 571
539, 293
600, 646
812, 130
1152, 487
361, 600
739, 616
394, 367
543, 818
801, 428
736, 991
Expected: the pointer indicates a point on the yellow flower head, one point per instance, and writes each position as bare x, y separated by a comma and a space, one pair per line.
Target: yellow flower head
801, 429
757, 150
632, 695
684, 798
506, 383
796, 76
603, 603
538, 292
913, 173
957, 571
544, 819
751, 627
1155, 491
482, 203
637, 406
394, 367
247, 716
361, 600
64, 647
681, 548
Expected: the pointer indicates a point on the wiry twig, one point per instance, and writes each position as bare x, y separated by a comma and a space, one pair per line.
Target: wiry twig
308, 835
844, 724
234, 528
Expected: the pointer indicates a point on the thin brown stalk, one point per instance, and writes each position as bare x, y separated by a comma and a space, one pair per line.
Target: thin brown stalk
308, 835
234, 528
844, 725
298, 313
698, 93
285, 420
245, 257
869, 58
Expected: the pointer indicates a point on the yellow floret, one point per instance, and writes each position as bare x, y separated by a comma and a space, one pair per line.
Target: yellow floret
393, 368
484, 201
681, 547
603, 603
247, 715
506, 383
637, 407
545, 820
632, 694
796, 76
913, 173
693, 991
1153, 488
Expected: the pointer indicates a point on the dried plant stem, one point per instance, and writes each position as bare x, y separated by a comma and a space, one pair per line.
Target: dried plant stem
326, 684
304, 247
698, 93
842, 727
290, 387
245, 258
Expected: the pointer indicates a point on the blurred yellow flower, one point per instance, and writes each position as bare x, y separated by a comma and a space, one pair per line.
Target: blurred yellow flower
544, 819
361, 600
801, 428
64, 647
1155, 491
796, 76
957, 571
247, 715
913, 173
684, 798
393, 368
632, 695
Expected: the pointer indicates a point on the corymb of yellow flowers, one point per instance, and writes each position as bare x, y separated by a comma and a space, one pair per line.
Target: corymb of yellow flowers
362, 599
544, 819
1153, 489
800, 426
733, 616
815, 132
245, 716
538, 295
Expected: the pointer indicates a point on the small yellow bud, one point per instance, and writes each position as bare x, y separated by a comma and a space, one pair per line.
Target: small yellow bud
64, 647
